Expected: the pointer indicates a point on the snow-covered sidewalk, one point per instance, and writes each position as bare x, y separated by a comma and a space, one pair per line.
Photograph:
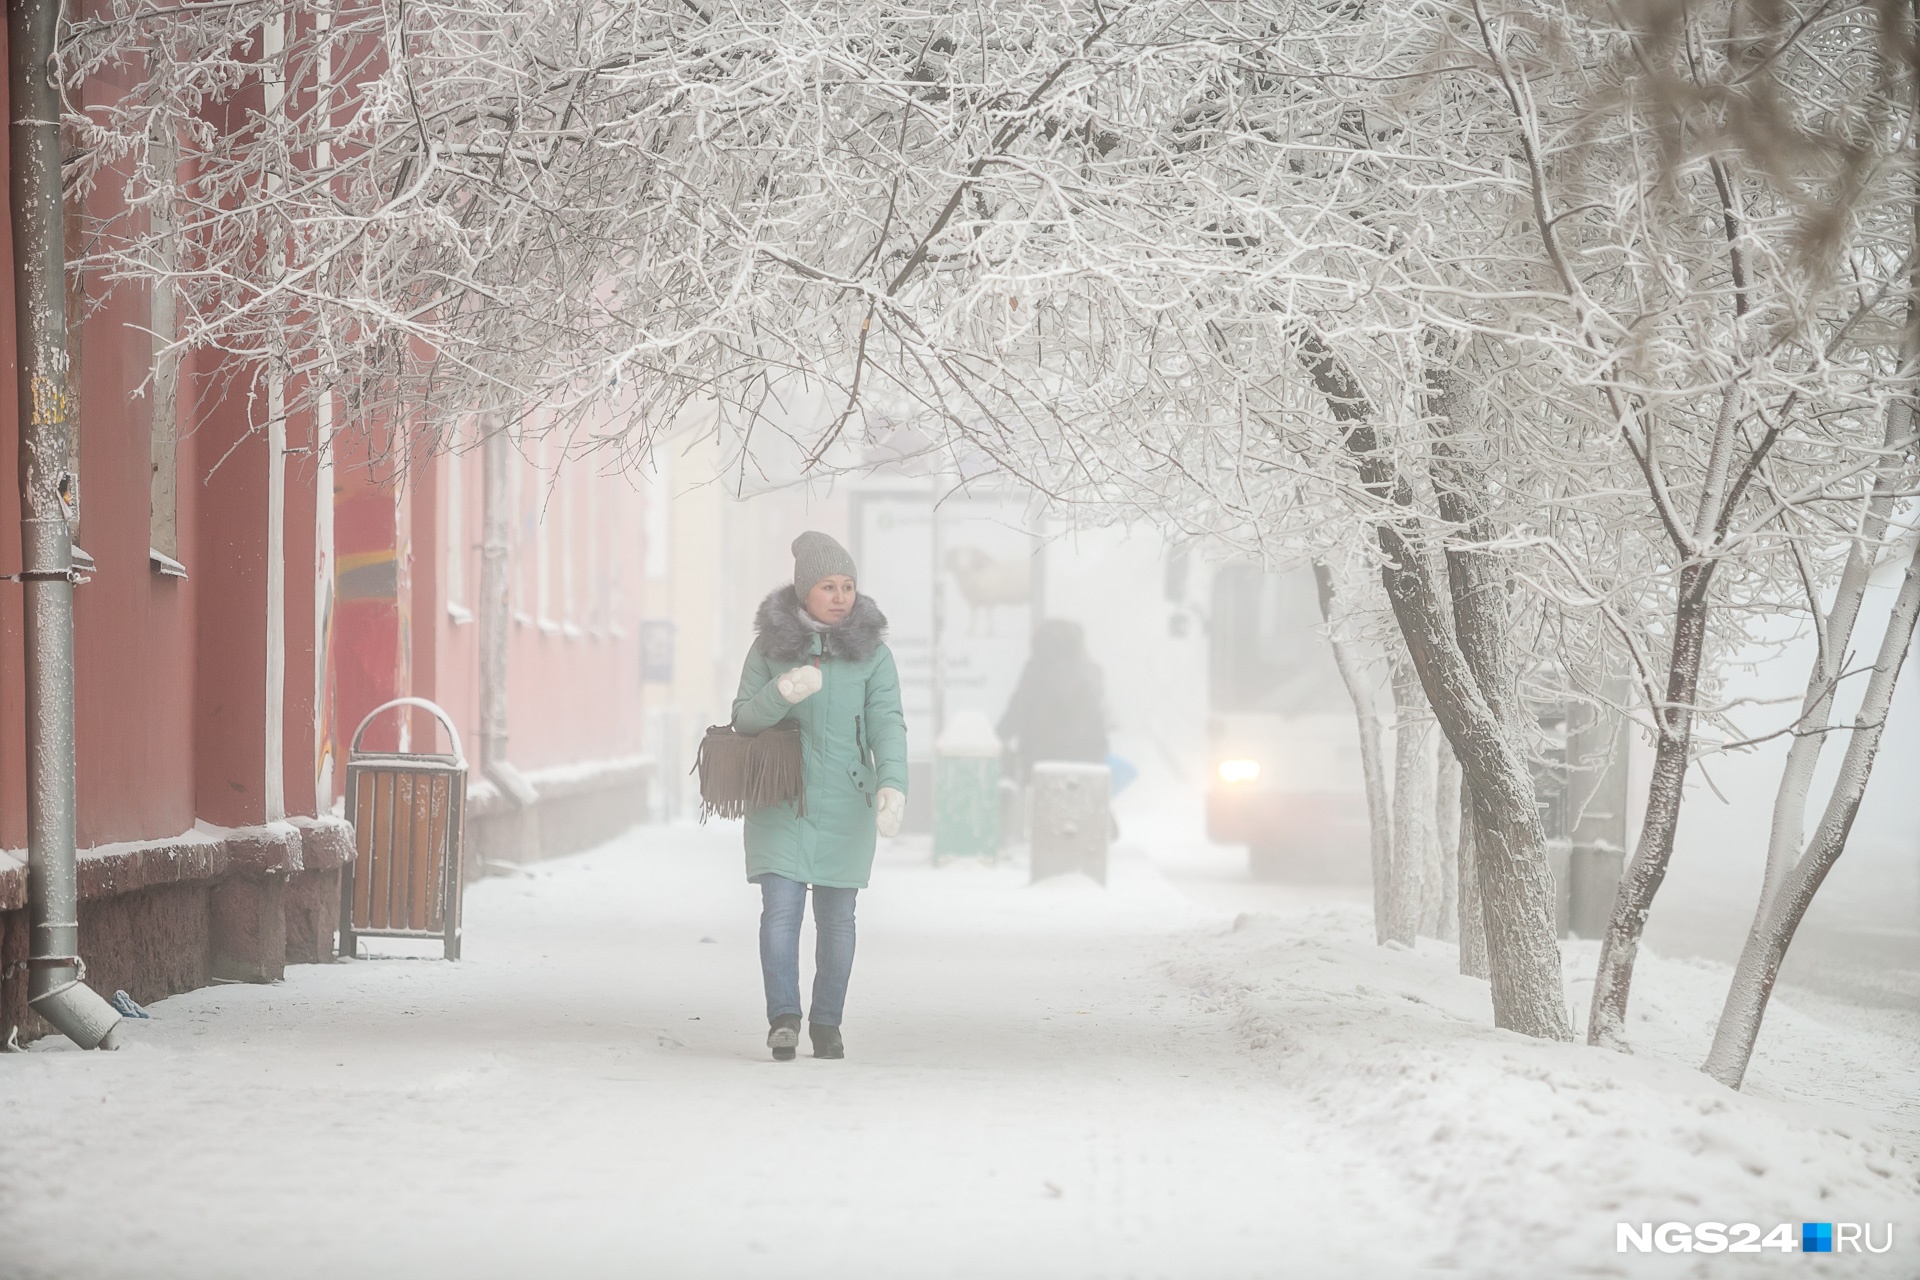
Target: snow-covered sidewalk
1055, 1081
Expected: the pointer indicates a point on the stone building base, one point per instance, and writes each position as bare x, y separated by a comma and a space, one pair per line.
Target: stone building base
160, 917
577, 807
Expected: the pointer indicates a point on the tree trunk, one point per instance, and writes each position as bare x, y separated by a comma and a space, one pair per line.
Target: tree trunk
1776, 919
1835, 635
1791, 876
1772, 934
1373, 767
1443, 910
1516, 885
1510, 845
1473, 927
1613, 981
1478, 580
1413, 834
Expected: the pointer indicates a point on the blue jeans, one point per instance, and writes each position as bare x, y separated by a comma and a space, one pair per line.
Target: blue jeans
782, 903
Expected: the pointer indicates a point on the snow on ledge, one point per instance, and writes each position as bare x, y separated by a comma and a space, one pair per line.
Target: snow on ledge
556, 782
205, 852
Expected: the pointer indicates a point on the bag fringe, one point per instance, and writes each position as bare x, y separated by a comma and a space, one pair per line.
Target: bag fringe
741, 772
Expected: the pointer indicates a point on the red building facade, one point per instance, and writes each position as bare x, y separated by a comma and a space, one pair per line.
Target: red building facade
259, 582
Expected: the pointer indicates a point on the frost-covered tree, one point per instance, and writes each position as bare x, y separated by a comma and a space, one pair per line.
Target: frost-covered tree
1494, 302
1796, 863
1714, 309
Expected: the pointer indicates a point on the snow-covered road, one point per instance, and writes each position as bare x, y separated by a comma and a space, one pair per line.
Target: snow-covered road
1056, 1081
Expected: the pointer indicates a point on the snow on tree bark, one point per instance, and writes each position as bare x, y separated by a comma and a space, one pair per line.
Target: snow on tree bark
1478, 579
1372, 764
1733, 284
1834, 631
1414, 839
1443, 916
1794, 868
1767, 943
1472, 920
938, 216
1516, 886
1613, 980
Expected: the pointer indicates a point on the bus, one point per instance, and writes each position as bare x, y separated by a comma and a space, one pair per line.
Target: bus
1284, 777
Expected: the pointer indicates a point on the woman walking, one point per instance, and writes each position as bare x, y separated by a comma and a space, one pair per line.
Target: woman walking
819, 660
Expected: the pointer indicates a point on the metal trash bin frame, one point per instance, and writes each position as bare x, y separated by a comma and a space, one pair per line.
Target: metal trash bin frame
430, 897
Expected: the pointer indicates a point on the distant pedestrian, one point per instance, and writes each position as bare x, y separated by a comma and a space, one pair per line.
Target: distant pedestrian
1058, 710
820, 660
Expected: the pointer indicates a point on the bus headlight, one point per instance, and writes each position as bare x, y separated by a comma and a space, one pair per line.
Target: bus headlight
1239, 770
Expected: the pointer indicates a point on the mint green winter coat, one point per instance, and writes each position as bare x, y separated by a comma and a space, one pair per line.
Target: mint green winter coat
853, 738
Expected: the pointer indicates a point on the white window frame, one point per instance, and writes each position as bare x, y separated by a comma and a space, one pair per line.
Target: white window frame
566, 486
545, 510
458, 607
521, 564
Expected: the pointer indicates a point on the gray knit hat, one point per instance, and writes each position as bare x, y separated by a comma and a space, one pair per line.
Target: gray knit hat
817, 557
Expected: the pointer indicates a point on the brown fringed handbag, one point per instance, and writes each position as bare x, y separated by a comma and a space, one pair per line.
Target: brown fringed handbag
743, 771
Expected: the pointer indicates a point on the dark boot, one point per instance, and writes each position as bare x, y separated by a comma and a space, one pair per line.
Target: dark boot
826, 1041
784, 1037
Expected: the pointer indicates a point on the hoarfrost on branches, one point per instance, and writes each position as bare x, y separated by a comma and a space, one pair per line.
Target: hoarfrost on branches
1577, 324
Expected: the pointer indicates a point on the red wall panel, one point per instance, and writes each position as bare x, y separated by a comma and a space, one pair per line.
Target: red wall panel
229, 565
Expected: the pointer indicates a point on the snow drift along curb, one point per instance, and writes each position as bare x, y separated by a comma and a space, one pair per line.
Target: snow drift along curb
1537, 1150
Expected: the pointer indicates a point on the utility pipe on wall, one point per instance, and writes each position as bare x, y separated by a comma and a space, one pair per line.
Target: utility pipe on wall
323, 747
273, 86
47, 493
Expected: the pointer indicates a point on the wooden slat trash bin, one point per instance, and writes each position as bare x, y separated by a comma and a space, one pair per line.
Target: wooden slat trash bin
408, 810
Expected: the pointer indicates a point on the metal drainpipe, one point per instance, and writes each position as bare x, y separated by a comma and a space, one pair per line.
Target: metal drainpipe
47, 490
496, 454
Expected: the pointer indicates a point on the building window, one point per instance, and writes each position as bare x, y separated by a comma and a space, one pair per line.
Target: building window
590, 548
523, 564
567, 486
163, 533
163, 530
610, 577
543, 535
456, 536
656, 515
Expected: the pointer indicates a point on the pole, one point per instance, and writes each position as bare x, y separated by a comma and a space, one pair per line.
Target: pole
496, 454
937, 650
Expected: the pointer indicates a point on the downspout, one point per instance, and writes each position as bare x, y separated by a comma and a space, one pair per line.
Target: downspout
324, 748
273, 40
496, 455
55, 989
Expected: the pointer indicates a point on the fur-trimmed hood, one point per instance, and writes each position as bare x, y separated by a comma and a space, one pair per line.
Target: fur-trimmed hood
786, 631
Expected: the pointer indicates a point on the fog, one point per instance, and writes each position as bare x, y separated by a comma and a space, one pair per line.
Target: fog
1156, 1035
1058, 641
1186, 1055
1145, 606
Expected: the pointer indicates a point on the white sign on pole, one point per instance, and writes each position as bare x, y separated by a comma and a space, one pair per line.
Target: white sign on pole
895, 532
986, 571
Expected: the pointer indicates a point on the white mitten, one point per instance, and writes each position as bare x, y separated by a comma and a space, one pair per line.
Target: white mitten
799, 684
893, 807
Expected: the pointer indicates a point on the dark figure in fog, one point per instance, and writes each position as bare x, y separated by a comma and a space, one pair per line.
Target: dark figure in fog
1058, 710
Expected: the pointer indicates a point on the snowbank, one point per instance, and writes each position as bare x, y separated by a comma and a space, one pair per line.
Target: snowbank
1536, 1151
